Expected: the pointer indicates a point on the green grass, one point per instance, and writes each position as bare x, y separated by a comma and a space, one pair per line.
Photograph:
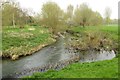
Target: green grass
23, 41
110, 31
98, 33
100, 69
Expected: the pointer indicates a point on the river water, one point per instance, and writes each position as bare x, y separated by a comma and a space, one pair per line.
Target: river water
50, 54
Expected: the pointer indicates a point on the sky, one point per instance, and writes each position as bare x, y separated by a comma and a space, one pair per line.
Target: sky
95, 5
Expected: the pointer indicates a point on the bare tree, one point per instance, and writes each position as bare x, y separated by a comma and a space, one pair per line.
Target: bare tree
107, 14
69, 14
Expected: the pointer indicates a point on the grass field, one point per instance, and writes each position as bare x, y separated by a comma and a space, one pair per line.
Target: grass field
24, 41
109, 31
100, 69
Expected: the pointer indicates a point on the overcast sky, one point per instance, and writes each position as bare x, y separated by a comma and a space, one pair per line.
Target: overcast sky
95, 5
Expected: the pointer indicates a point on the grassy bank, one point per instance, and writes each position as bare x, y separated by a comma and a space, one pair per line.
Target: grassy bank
109, 31
95, 37
25, 41
100, 69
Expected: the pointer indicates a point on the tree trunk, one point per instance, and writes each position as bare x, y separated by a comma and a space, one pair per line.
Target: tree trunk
83, 25
13, 21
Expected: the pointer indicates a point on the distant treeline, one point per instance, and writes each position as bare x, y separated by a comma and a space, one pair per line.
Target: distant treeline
53, 16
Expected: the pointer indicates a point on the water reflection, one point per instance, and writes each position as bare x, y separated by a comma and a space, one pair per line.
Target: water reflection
91, 55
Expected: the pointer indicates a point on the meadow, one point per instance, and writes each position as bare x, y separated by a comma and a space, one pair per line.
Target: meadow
109, 31
25, 41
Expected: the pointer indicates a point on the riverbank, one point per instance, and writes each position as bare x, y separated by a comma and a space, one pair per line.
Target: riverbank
88, 38
100, 69
94, 37
25, 41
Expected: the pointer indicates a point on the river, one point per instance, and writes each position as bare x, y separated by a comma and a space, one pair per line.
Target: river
50, 54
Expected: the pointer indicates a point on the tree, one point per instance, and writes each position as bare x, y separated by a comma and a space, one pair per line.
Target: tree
83, 14
69, 15
13, 15
77, 16
52, 16
7, 14
107, 14
96, 19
